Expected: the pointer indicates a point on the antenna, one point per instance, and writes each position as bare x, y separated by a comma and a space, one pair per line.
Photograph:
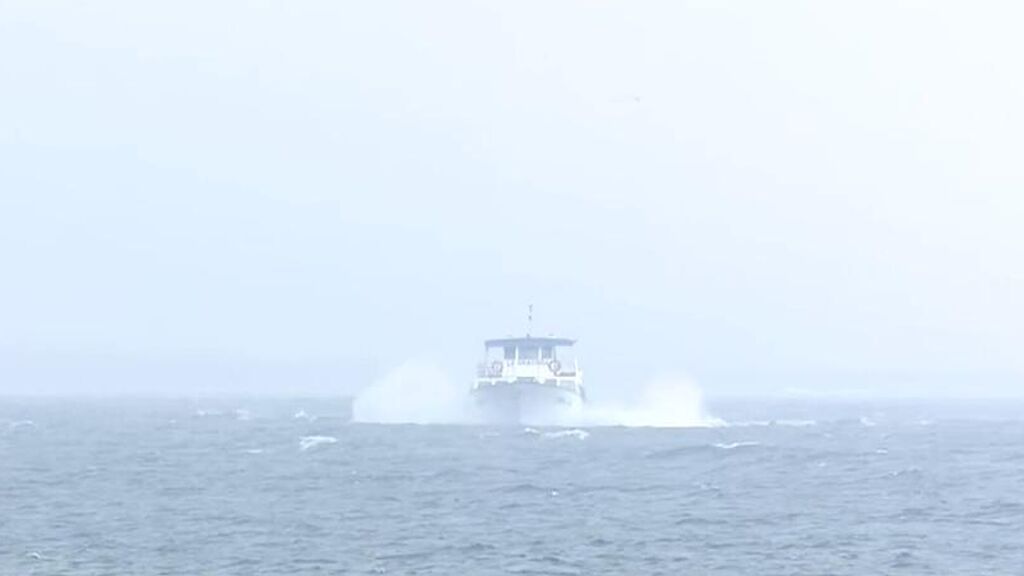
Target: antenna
529, 321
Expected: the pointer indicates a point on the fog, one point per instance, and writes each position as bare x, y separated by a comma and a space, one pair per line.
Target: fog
798, 198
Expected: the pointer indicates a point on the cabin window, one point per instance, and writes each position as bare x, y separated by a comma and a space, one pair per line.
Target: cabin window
510, 353
547, 353
528, 353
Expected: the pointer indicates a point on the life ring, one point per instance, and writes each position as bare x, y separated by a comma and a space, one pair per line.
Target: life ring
496, 367
555, 366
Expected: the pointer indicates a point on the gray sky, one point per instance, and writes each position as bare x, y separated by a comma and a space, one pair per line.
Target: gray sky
764, 196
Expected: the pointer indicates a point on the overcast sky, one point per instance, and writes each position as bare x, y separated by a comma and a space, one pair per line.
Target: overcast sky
762, 195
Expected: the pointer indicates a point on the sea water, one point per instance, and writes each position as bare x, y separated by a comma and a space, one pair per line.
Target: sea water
292, 487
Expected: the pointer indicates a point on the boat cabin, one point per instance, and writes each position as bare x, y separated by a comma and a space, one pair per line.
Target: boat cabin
554, 353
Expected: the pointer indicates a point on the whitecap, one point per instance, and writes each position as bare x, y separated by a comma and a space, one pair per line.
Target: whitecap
308, 442
532, 431
867, 422
734, 445
21, 424
243, 414
749, 423
254, 451
302, 415
574, 433
795, 423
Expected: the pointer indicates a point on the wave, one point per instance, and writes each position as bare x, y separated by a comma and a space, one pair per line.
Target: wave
526, 488
790, 423
675, 451
679, 451
734, 445
911, 471
302, 415
309, 442
574, 433
795, 423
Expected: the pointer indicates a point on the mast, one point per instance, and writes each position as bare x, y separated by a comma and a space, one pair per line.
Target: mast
529, 321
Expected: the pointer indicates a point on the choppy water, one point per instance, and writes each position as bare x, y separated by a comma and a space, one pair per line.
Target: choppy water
285, 488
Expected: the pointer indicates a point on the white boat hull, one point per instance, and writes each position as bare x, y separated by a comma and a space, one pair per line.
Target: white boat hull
527, 402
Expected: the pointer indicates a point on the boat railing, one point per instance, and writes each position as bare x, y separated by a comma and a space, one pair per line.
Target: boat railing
497, 368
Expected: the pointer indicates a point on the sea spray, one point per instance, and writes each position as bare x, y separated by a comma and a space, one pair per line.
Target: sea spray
417, 392
663, 403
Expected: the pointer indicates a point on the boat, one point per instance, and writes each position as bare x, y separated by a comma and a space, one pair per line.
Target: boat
529, 380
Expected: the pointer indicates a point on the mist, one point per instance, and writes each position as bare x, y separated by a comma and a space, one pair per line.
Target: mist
802, 199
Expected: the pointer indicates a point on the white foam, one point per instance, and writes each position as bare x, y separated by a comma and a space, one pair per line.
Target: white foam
302, 415
795, 423
734, 445
21, 424
749, 423
868, 422
417, 392
309, 442
254, 451
574, 433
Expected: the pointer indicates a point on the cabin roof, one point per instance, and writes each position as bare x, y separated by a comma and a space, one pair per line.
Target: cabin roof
528, 341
